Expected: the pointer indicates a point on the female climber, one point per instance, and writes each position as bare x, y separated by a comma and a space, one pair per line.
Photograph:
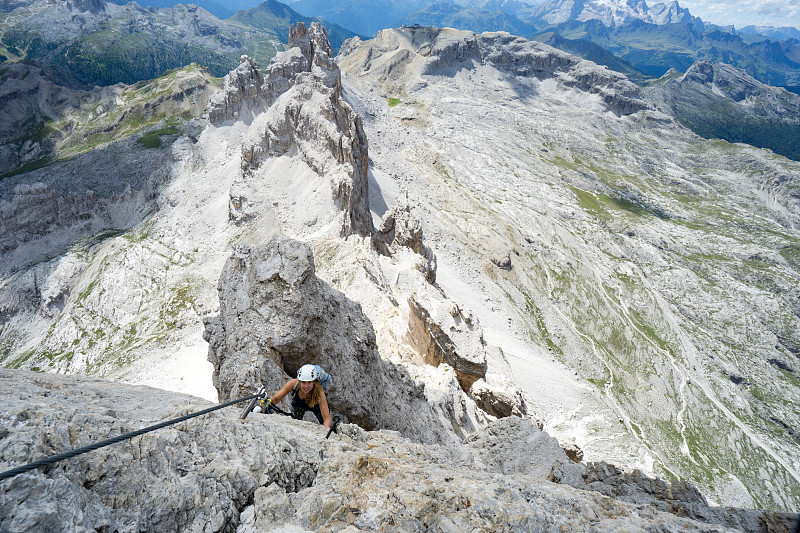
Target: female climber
308, 394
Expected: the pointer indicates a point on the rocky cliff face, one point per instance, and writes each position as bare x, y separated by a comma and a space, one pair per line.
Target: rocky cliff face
219, 473
548, 245
410, 52
277, 315
311, 119
595, 243
79, 194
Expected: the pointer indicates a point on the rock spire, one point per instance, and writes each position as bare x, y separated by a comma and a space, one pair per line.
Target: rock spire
297, 108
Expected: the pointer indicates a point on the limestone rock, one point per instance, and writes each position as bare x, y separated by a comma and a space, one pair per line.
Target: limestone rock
516, 446
432, 326
677, 497
496, 145
502, 261
182, 478
83, 194
399, 228
35, 211
427, 51
499, 400
276, 315
298, 105
219, 473
573, 451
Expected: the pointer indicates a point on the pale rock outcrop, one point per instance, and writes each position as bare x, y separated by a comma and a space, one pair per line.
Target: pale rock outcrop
518, 447
276, 315
428, 51
499, 397
296, 107
399, 228
269, 473
442, 333
677, 497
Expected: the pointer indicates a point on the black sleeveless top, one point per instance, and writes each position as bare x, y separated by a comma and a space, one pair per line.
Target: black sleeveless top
299, 406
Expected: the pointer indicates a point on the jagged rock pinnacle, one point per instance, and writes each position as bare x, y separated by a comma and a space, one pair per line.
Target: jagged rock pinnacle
297, 104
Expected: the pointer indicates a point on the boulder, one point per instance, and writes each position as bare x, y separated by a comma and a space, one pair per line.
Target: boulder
499, 399
398, 229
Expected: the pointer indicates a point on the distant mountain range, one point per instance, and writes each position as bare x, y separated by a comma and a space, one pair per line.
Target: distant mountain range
631, 38
654, 48
721, 101
448, 15
94, 42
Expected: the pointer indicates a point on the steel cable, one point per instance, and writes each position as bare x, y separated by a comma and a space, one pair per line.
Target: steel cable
73, 453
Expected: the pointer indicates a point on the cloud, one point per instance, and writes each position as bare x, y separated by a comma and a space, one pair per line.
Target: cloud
744, 12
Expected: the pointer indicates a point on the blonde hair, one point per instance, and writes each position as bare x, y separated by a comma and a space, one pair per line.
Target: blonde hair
315, 395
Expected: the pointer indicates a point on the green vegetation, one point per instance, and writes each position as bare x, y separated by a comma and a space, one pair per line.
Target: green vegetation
393, 101
780, 137
37, 133
182, 300
717, 117
120, 52
792, 255
27, 167
602, 205
151, 140
599, 383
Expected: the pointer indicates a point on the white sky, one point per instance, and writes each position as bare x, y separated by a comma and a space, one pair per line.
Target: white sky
741, 13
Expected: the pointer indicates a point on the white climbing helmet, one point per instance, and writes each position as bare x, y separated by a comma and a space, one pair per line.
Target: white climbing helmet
308, 373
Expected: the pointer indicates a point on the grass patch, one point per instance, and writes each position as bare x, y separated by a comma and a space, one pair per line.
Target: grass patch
27, 167
151, 140
393, 101
792, 254
599, 383
38, 132
603, 206
169, 130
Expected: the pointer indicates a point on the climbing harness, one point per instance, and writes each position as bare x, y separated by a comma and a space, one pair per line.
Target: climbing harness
56, 458
261, 394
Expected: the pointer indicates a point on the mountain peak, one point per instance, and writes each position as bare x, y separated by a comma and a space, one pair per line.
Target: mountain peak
612, 12
92, 6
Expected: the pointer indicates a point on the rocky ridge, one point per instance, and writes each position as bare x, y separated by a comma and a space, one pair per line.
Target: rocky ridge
219, 473
174, 266
311, 120
43, 122
604, 238
429, 51
722, 101
613, 14
277, 315
569, 236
